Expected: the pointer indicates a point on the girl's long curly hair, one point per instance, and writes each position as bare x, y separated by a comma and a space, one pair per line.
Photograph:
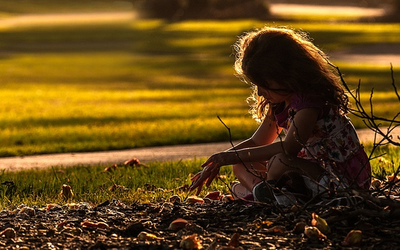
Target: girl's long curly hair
290, 59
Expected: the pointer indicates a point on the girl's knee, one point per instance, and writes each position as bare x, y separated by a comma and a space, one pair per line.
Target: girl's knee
281, 163
279, 160
236, 169
278, 165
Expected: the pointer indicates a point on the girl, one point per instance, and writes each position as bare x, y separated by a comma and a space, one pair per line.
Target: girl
294, 90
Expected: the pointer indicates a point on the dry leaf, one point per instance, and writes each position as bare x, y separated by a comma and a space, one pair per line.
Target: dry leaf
276, 229
191, 242
314, 233
101, 225
72, 206
66, 192
27, 210
148, 236
262, 223
227, 198
216, 195
178, 224
234, 242
320, 223
116, 187
51, 206
111, 168
299, 227
8, 233
375, 183
134, 162
353, 238
194, 199
392, 178
175, 199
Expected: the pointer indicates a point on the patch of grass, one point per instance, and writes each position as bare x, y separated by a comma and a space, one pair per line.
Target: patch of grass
157, 182
386, 161
94, 185
48, 6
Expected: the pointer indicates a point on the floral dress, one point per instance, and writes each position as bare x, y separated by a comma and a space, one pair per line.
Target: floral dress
334, 143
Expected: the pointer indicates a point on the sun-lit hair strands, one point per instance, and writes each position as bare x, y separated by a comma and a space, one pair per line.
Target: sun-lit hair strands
290, 59
259, 106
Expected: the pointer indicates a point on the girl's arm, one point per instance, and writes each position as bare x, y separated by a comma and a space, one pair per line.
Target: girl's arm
299, 131
265, 134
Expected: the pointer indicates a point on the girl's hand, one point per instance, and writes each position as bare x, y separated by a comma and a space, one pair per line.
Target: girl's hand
210, 171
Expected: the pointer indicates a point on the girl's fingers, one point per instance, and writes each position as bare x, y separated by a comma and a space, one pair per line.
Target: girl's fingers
196, 176
205, 164
199, 188
198, 180
212, 176
207, 175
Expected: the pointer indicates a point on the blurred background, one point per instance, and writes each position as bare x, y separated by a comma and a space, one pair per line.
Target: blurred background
93, 75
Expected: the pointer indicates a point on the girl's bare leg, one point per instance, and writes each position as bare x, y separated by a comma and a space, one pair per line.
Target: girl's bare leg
249, 175
281, 163
254, 173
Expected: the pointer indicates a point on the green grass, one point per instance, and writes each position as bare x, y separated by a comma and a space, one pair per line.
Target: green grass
92, 184
70, 88
51, 6
155, 183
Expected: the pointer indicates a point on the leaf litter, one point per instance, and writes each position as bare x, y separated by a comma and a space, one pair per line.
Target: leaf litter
201, 223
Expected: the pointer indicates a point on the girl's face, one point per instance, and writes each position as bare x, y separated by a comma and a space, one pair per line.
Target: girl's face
274, 94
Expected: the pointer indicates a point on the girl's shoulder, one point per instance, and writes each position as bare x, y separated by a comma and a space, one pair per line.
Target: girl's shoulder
302, 101
299, 101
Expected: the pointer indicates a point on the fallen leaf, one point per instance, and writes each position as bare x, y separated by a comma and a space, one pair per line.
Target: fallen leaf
72, 206
299, 227
111, 168
148, 236
51, 206
194, 199
234, 242
116, 187
134, 162
178, 224
27, 210
276, 229
216, 195
191, 242
227, 198
89, 224
320, 223
392, 178
8, 233
175, 199
314, 233
353, 238
66, 192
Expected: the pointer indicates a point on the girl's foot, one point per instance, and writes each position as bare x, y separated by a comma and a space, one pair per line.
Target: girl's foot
263, 192
239, 191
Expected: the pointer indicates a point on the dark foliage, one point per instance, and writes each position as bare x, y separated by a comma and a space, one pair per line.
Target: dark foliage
203, 9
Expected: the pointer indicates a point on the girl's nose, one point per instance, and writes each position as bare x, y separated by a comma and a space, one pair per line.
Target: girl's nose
260, 92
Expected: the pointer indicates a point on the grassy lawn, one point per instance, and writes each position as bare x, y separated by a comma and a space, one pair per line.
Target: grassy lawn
147, 82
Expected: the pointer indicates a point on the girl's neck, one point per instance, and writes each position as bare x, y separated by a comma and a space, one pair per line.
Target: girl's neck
288, 100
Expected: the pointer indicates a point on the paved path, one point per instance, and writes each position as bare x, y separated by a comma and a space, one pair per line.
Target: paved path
167, 153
